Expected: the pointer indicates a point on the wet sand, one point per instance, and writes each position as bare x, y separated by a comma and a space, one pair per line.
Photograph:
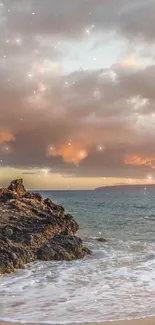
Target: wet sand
144, 321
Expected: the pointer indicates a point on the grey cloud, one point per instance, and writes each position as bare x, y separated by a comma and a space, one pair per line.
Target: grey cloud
69, 19
30, 173
87, 121
91, 108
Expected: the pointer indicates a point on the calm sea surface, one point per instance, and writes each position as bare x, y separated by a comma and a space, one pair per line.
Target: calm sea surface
116, 282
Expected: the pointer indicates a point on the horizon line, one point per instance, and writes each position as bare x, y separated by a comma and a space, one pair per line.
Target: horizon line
101, 187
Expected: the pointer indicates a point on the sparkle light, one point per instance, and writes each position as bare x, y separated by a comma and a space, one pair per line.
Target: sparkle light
18, 41
82, 154
30, 76
97, 94
100, 148
49, 150
87, 31
7, 149
109, 75
46, 171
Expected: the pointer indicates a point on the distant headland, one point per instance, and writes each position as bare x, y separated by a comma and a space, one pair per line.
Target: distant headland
125, 186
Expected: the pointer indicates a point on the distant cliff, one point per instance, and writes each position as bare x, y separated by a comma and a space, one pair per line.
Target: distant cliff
126, 186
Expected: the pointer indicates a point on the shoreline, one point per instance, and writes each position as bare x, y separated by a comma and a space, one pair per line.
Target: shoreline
140, 321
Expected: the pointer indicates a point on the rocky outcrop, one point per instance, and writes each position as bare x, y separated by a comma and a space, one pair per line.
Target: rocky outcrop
32, 228
101, 239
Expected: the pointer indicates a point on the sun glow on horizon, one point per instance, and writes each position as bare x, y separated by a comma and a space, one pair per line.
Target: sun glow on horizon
34, 180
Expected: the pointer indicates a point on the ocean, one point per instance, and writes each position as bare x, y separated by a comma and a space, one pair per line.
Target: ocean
116, 282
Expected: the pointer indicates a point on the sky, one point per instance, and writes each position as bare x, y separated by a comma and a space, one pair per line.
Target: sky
77, 97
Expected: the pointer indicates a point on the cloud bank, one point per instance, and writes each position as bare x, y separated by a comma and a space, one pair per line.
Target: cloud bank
86, 123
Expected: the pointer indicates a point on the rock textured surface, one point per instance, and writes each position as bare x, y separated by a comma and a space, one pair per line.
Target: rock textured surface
32, 228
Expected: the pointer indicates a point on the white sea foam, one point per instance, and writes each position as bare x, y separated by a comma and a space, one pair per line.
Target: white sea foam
116, 282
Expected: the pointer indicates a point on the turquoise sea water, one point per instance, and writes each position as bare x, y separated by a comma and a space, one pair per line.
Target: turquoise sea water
116, 212
116, 282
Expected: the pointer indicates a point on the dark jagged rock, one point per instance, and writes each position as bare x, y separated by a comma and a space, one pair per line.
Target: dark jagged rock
32, 228
17, 187
101, 239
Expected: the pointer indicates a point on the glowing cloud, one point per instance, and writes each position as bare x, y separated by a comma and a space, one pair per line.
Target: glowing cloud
129, 61
139, 161
6, 136
70, 153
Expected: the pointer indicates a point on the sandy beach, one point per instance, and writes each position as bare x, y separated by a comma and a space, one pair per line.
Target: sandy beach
144, 321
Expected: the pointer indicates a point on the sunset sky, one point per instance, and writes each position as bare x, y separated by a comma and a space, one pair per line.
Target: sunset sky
77, 92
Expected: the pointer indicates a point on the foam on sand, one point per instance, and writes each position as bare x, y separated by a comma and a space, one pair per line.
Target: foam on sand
143, 321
